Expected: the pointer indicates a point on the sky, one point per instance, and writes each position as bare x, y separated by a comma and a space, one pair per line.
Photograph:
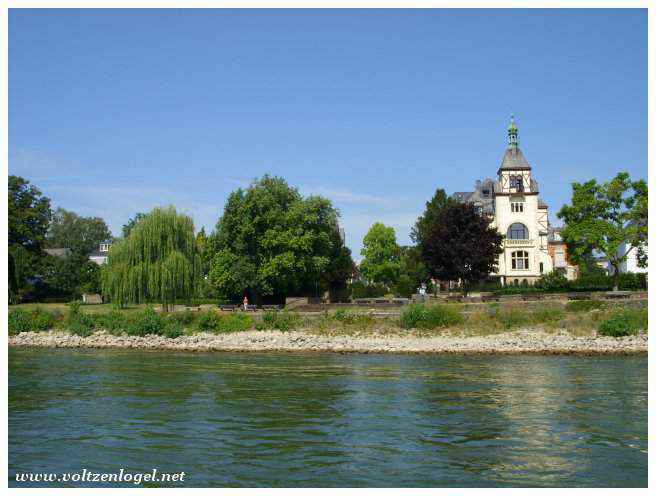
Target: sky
113, 112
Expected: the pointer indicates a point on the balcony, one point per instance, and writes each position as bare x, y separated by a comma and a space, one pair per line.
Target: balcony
519, 242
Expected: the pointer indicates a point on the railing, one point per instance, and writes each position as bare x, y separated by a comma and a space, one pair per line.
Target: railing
519, 242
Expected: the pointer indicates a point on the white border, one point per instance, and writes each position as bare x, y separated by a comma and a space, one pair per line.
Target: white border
4, 143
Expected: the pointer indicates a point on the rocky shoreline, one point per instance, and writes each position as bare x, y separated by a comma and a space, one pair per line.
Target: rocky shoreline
529, 341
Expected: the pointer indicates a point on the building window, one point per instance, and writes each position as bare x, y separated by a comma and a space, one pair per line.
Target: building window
541, 267
517, 231
519, 260
104, 247
485, 193
517, 207
517, 183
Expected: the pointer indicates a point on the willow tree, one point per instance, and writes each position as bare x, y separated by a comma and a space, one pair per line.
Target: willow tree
157, 262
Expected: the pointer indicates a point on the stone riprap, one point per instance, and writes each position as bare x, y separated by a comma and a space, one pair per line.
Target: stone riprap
523, 341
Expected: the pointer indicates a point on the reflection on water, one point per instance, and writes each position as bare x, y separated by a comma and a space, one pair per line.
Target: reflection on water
230, 419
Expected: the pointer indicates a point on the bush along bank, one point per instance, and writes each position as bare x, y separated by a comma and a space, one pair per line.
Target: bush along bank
579, 317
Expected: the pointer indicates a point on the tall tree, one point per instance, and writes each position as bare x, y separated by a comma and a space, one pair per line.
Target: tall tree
434, 206
604, 216
460, 245
157, 262
271, 242
81, 234
381, 263
28, 215
28, 218
129, 225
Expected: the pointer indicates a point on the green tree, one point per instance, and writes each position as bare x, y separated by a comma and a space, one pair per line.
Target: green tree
381, 261
81, 234
460, 245
157, 262
413, 271
28, 215
340, 269
434, 206
603, 216
28, 218
127, 227
271, 242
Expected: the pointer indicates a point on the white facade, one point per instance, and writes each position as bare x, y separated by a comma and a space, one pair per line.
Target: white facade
630, 265
525, 256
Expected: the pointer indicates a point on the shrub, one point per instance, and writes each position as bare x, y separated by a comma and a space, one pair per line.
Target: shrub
430, 316
624, 322
114, 322
513, 317
78, 322
283, 321
584, 305
235, 322
146, 322
36, 320
19, 321
41, 320
209, 321
553, 281
184, 318
172, 329
350, 318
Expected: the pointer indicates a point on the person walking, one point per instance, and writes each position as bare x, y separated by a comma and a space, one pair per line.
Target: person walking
245, 303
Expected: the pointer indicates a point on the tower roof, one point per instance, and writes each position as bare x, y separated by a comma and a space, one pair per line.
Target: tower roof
513, 159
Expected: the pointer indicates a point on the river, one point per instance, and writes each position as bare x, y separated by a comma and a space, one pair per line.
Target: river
324, 420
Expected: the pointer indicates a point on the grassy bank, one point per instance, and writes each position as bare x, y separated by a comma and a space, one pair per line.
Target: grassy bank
581, 318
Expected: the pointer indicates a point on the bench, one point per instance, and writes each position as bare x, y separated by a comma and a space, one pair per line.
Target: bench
228, 308
616, 295
249, 308
532, 297
579, 296
273, 308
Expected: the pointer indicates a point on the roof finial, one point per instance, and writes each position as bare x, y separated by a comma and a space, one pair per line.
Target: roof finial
513, 139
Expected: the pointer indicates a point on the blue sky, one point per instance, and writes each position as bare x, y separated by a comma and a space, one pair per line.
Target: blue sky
114, 112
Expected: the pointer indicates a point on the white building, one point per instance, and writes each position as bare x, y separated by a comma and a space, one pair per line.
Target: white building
630, 264
100, 256
518, 213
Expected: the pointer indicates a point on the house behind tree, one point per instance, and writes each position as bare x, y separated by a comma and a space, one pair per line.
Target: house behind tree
517, 211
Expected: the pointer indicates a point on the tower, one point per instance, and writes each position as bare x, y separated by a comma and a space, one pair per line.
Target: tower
515, 172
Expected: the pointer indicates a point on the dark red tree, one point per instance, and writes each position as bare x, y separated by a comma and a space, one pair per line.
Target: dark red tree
460, 245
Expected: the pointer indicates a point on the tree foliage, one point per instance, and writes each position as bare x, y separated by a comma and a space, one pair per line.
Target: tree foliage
272, 242
381, 261
459, 244
81, 234
127, 227
603, 216
157, 262
434, 206
28, 217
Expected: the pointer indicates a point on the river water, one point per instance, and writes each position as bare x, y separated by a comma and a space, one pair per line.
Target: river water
322, 420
